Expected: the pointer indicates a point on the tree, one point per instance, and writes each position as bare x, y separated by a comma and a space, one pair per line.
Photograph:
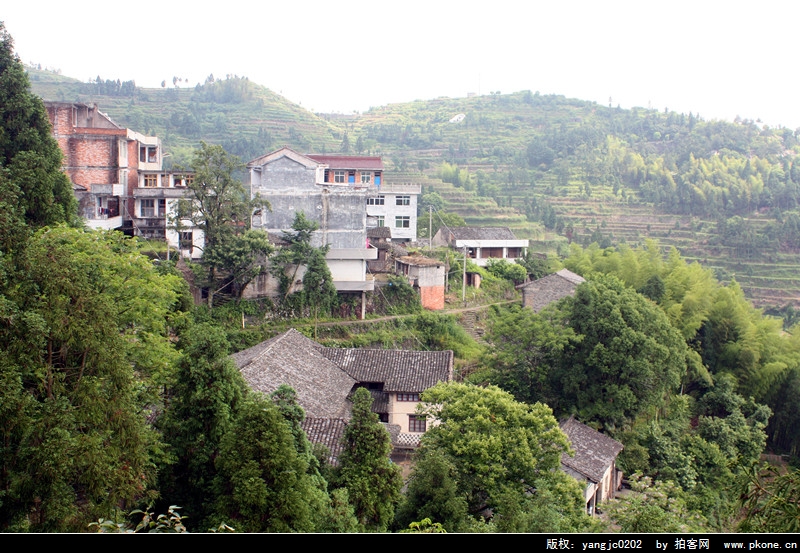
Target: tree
500, 448
318, 291
502, 268
527, 350
771, 500
200, 409
373, 482
627, 359
33, 189
654, 507
76, 339
220, 206
433, 494
262, 483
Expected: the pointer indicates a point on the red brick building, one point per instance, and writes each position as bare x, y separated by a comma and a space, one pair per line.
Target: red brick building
117, 175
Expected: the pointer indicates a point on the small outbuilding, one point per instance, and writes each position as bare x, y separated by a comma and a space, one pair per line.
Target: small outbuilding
539, 293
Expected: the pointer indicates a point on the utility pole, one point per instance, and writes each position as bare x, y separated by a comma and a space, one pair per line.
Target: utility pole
464, 280
430, 228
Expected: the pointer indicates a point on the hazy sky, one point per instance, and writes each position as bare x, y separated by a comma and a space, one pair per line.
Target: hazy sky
716, 58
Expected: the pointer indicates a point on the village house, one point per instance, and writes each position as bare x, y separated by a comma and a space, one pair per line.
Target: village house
117, 175
593, 464
539, 293
294, 183
347, 197
482, 243
427, 276
325, 377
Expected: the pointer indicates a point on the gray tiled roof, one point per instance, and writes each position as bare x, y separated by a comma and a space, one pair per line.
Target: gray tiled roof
482, 233
327, 432
291, 358
379, 232
399, 370
544, 291
594, 452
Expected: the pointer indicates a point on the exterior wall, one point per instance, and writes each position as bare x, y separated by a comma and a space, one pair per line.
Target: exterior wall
481, 251
390, 210
291, 188
427, 276
91, 145
347, 269
399, 412
102, 158
537, 296
432, 297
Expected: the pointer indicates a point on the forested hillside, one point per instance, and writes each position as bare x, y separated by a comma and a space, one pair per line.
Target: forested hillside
555, 169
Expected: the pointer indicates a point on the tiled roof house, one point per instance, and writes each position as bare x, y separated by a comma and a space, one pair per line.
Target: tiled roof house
539, 293
324, 378
594, 462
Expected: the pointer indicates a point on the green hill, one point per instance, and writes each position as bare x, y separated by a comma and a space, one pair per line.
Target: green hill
552, 168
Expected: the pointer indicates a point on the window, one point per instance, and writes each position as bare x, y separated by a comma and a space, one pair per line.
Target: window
186, 241
366, 177
381, 220
339, 176
403, 200
408, 397
416, 423
148, 208
162, 208
150, 181
377, 200
402, 222
148, 154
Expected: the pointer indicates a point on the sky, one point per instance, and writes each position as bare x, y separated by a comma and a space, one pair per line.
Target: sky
718, 59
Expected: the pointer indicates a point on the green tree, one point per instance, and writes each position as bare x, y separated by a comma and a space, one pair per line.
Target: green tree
329, 513
771, 500
627, 359
373, 482
76, 339
32, 184
299, 256
500, 448
220, 206
262, 483
502, 268
200, 409
527, 351
655, 507
433, 494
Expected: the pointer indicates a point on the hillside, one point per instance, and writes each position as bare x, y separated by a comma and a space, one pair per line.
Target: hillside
552, 168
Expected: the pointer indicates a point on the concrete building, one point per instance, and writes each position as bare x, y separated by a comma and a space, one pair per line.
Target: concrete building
427, 276
394, 205
482, 243
154, 200
333, 197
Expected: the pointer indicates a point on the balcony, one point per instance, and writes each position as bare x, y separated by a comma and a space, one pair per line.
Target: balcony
353, 253
152, 222
160, 192
108, 189
105, 222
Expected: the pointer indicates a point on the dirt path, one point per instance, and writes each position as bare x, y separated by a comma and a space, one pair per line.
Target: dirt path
392, 317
